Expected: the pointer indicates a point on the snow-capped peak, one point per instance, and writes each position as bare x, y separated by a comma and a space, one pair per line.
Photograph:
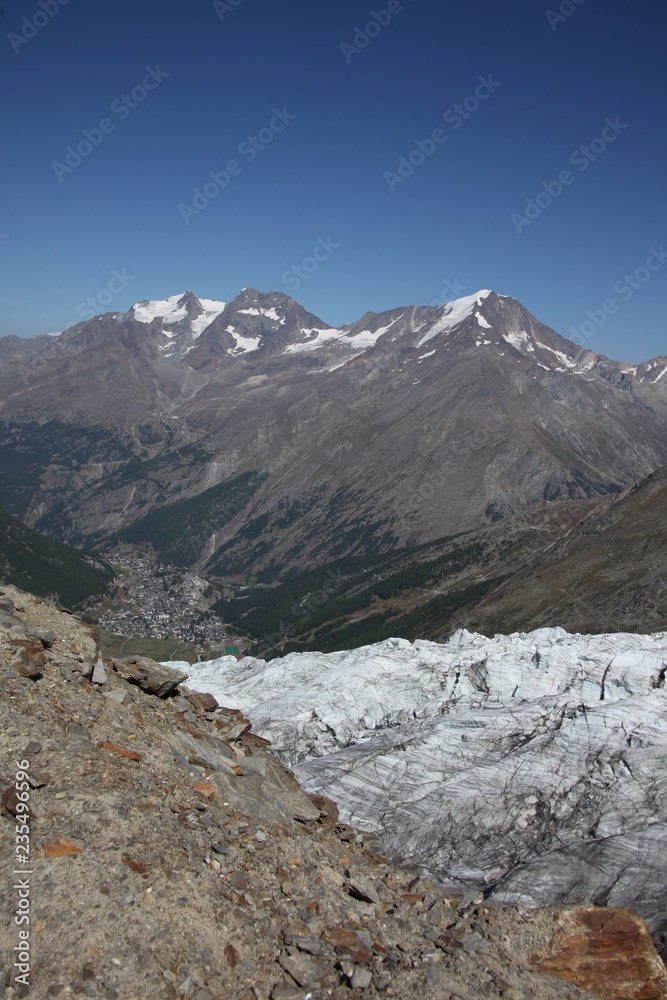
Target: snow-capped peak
178, 308
454, 313
168, 310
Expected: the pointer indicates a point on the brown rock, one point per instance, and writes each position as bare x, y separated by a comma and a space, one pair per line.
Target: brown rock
252, 740
120, 751
61, 847
348, 942
9, 801
38, 779
300, 806
152, 677
205, 788
203, 702
239, 730
136, 866
606, 951
232, 955
328, 811
375, 858
29, 660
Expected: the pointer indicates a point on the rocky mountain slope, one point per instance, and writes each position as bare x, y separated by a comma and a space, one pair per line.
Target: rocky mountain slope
171, 855
596, 565
606, 572
398, 429
48, 568
529, 766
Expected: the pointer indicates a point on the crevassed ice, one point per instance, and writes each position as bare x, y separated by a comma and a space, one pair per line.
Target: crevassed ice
532, 765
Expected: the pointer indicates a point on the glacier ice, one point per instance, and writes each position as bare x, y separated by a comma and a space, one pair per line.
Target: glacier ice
533, 766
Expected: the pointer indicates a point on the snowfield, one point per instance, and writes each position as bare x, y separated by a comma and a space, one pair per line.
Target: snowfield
533, 765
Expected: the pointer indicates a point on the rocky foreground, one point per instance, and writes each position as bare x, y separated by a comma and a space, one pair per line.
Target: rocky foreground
172, 855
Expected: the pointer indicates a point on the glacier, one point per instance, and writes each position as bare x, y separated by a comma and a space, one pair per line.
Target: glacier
532, 767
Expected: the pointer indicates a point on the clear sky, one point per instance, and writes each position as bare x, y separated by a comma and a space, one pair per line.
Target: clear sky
315, 117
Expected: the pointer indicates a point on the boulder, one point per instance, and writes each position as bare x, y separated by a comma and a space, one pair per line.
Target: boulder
608, 952
203, 702
152, 677
29, 660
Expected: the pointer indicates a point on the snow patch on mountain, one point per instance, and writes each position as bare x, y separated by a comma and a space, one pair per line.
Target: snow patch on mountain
244, 345
315, 339
520, 340
268, 313
212, 310
567, 361
454, 313
364, 339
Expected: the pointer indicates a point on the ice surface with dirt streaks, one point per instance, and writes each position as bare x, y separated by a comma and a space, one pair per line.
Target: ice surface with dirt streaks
532, 765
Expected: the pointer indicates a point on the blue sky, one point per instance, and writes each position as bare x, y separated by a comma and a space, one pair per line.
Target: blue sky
351, 105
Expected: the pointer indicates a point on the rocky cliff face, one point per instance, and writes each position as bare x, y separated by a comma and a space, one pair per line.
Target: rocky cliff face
528, 766
402, 427
171, 855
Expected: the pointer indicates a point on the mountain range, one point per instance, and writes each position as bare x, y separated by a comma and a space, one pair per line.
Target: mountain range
292, 443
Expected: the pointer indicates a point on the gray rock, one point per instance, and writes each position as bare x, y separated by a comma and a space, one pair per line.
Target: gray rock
308, 943
46, 636
152, 677
20, 630
99, 673
8, 621
119, 697
363, 889
474, 943
471, 898
303, 970
361, 978
254, 764
284, 991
